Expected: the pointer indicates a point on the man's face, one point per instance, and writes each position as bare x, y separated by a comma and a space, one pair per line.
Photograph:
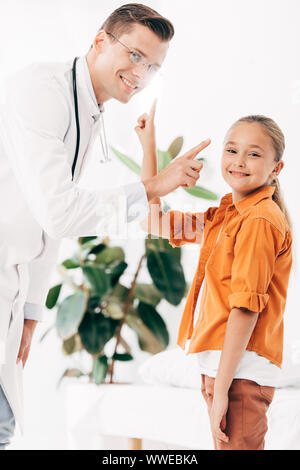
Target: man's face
113, 74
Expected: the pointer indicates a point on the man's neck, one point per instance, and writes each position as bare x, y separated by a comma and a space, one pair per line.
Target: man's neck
101, 96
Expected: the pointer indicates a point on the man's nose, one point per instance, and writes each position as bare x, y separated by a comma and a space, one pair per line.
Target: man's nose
140, 71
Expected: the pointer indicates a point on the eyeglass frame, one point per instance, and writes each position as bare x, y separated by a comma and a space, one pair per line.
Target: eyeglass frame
151, 73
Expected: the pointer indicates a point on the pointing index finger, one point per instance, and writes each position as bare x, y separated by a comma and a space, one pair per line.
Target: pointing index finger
191, 154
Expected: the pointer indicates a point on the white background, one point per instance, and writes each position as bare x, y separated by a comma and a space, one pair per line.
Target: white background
229, 58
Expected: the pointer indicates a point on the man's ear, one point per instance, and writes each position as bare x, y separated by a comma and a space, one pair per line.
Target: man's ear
100, 40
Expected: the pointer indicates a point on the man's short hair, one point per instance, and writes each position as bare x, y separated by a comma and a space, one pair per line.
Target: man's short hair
123, 19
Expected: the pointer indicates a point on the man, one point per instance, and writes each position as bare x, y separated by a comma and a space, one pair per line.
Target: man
40, 200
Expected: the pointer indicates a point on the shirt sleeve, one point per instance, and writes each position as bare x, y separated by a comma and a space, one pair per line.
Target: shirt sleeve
33, 311
33, 123
257, 246
188, 227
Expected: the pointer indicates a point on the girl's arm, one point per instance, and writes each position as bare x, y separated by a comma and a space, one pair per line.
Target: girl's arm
157, 223
240, 325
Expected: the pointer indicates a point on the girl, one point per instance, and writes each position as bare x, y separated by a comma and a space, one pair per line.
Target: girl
245, 262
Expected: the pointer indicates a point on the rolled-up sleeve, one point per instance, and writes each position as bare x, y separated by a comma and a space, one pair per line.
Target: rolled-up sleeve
33, 312
257, 246
185, 227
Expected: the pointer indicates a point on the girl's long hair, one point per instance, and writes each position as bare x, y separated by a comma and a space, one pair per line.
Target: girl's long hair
278, 141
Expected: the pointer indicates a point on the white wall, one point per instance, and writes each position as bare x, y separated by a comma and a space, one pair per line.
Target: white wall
228, 58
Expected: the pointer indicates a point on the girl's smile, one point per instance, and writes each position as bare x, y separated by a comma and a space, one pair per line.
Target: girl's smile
248, 160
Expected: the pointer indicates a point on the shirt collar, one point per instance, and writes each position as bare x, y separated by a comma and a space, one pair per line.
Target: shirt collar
86, 86
250, 200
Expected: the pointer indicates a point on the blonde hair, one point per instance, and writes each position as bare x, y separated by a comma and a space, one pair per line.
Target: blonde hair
278, 141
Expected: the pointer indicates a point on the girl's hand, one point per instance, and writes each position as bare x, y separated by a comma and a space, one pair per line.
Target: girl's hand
146, 130
218, 417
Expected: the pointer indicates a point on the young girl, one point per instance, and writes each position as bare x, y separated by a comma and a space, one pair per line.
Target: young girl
245, 262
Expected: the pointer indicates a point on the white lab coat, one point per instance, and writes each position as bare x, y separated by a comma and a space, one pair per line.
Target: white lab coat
39, 202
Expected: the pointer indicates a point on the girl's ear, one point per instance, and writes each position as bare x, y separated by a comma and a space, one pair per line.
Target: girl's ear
278, 167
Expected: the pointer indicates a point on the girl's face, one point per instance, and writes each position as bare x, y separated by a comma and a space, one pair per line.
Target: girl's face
248, 159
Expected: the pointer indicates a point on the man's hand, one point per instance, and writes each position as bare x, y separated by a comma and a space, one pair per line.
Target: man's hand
218, 417
28, 329
182, 171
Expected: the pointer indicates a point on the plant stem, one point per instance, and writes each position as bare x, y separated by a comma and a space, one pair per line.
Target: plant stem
126, 310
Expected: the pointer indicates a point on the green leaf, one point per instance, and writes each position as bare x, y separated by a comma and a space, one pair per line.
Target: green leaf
96, 278
131, 164
146, 339
175, 147
97, 249
147, 293
70, 313
83, 240
163, 160
154, 322
110, 254
162, 244
95, 331
100, 369
71, 263
199, 191
167, 275
122, 357
119, 292
53, 296
71, 345
94, 302
115, 270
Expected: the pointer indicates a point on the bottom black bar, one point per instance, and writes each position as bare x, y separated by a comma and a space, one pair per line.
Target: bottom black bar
131, 458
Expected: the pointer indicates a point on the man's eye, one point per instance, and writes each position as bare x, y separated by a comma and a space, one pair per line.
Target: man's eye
135, 57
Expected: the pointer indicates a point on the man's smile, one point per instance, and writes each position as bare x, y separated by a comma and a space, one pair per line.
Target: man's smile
128, 83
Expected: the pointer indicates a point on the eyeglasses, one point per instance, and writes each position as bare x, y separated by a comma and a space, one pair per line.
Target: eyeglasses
138, 59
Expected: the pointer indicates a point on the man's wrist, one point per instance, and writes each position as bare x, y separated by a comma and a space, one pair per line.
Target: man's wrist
30, 323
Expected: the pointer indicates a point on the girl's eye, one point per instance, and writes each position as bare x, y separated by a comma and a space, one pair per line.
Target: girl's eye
254, 154
231, 151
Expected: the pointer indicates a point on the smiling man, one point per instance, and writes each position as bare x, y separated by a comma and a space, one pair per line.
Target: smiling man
49, 120
125, 56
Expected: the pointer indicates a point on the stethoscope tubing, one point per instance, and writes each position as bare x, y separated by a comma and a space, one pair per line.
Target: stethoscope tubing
76, 116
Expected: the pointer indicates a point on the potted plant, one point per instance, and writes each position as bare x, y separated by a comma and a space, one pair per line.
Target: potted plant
100, 305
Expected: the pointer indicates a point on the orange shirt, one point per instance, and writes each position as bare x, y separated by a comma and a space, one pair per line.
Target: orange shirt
245, 260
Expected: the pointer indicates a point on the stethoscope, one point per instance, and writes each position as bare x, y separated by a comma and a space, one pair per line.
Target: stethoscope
102, 129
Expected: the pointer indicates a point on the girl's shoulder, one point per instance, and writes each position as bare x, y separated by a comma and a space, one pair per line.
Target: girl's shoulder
270, 211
